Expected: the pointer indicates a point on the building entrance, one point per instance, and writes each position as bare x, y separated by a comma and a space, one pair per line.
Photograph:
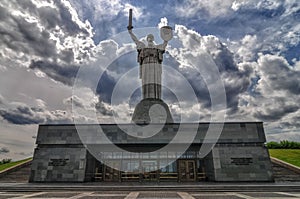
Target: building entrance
149, 170
111, 172
124, 168
187, 170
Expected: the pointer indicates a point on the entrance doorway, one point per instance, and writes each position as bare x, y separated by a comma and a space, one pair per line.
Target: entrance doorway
111, 172
149, 170
187, 170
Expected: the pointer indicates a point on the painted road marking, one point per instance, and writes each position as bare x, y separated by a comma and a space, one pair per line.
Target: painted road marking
132, 195
185, 195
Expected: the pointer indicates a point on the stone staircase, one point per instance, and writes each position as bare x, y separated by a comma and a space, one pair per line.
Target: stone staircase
282, 173
19, 174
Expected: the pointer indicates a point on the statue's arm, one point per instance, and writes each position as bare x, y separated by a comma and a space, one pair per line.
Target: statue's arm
162, 46
134, 38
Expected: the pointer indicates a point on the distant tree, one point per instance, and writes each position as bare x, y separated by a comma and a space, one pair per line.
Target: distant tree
294, 145
284, 144
273, 145
5, 161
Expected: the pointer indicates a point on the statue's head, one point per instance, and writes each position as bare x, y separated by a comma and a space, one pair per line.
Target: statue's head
150, 38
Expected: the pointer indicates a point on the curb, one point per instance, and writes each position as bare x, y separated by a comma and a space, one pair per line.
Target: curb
191, 188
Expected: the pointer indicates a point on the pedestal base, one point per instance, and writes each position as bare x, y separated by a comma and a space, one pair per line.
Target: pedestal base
152, 110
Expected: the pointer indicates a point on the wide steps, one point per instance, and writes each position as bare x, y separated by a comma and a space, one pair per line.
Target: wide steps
283, 174
22, 174
19, 175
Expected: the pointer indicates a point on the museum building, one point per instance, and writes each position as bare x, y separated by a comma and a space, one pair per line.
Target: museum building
238, 155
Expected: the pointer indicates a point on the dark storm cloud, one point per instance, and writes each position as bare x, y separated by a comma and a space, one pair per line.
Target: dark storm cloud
277, 72
236, 83
3, 13
50, 16
104, 109
65, 20
24, 114
279, 89
274, 95
19, 117
105, 87
197, 83
62, 73
236, 80
115, 70
276, 112
293, 123
49, 35
107, 16
4, 150
22, 36
224, 58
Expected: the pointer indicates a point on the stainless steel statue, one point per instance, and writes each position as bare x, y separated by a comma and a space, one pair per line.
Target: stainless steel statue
150, 57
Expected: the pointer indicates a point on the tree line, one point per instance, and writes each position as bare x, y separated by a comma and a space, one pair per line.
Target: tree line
4, 161
284, 144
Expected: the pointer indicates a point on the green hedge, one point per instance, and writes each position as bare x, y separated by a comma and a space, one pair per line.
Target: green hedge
284, 144
5, 161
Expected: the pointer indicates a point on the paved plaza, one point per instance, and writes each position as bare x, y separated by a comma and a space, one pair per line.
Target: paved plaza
150, 191
148, 195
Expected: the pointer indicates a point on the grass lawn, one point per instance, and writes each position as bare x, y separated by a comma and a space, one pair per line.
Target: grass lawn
291, 156
11, 164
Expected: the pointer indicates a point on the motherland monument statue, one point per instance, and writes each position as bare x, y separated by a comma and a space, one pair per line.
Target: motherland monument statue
150, 58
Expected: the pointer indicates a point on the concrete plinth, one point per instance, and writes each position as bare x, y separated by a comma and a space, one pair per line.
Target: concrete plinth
152, 110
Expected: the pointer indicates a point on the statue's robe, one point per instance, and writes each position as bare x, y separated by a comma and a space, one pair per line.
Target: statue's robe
150, 59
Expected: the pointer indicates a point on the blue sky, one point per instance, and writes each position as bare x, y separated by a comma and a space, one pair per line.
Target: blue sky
254, 44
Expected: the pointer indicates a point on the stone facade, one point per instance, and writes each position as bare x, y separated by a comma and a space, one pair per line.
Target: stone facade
60, 155
240, 162
239, 154
59, 164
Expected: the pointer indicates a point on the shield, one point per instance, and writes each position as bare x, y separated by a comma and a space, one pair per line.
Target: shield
166, 33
